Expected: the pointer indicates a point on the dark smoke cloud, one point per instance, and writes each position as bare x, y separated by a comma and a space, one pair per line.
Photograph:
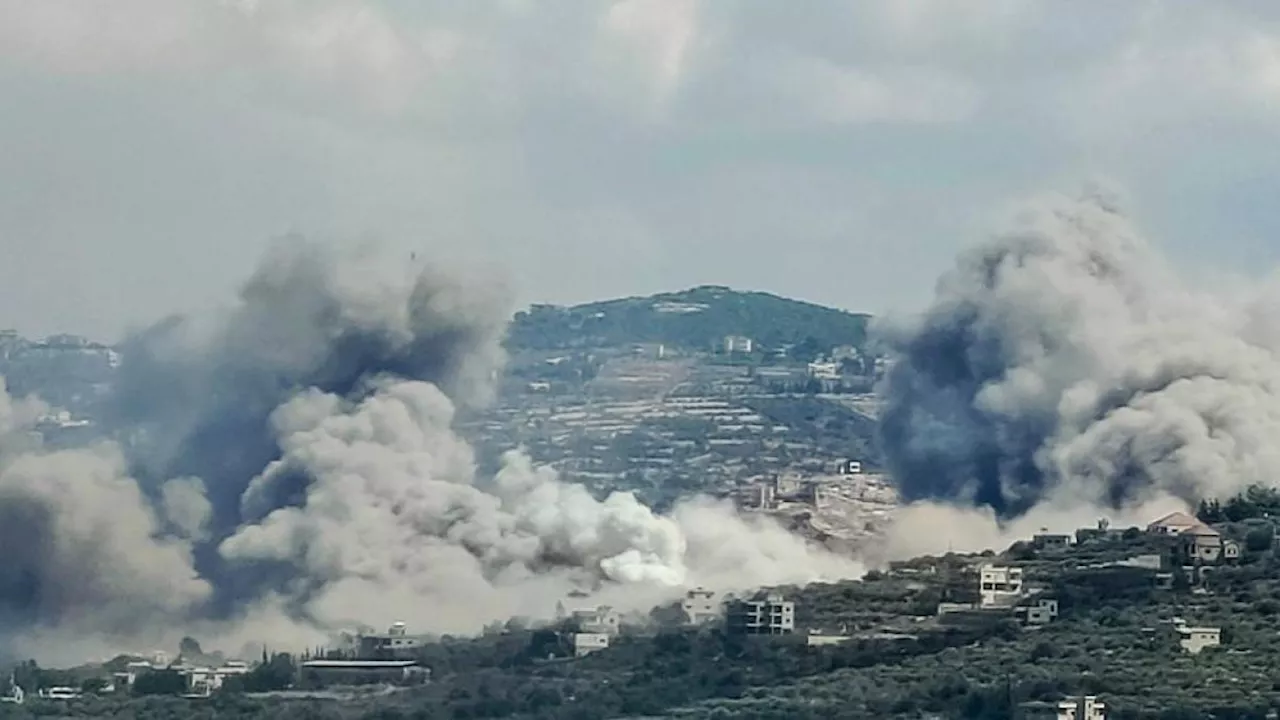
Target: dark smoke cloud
1064, 362
195, 396
289, 468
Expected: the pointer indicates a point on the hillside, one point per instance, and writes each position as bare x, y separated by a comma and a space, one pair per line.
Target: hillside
697, 319
893, 653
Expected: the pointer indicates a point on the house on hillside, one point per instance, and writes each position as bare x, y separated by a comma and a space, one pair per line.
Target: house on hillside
602, 620
999, 586
1174, 523
395, 644
737, 344
1195, 639
1050, 541
1072, 708
764, 614
700, 607
1037, 611
1198, 544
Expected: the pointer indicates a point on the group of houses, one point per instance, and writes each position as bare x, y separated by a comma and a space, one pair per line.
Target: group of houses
591, 630
1191, 548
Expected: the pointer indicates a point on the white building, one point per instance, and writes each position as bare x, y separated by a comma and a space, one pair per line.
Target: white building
700, 607
1000, 586
1082, 708
597, 621
587, 643
738, 344
1041, 611
396, 643
764, 615
1195, 639
824, 370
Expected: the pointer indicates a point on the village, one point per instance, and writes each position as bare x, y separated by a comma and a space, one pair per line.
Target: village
1028, 586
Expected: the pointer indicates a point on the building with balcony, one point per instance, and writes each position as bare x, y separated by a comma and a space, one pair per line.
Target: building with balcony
1000, 586
769, 614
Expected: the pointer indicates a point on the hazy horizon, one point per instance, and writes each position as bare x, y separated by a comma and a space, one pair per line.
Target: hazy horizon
153, 148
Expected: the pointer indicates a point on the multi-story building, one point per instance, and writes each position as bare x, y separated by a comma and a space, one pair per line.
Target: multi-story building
597, 621
700, 607
769, 614
1000, 586
397, 644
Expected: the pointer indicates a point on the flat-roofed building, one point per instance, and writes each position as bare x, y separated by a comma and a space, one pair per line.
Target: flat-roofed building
318, 673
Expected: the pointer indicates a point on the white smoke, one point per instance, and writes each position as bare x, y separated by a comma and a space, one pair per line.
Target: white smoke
1065, 371
300, 475
395, 512
83, 550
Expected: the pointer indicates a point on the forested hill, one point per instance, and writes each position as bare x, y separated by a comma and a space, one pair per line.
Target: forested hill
699, 318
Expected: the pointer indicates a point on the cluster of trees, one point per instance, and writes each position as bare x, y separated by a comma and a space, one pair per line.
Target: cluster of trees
1256, 502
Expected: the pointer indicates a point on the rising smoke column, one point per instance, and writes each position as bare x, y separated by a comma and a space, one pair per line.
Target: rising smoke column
302, 443
196, 394
82, 548
1064, 362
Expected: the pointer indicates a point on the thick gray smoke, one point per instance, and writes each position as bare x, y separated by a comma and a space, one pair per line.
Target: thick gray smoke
82, 548
290, 469
1065, 364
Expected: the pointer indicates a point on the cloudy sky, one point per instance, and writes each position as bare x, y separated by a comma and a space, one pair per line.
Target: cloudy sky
835, 151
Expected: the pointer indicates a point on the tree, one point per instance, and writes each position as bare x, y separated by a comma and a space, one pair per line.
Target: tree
275, 674
1259, 539
94, 686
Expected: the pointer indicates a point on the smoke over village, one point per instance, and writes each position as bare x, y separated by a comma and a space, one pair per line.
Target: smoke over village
1064, 372
287, 469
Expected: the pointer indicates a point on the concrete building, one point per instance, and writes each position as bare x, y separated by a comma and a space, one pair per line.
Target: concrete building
597, 621
1195, 639
395, 644
1198, 544
738, 344
850, 467
1087, 707
824, 370
1039, 611
1174, 523
586, 643
769, 614
700, 607
1000, 586
204, 681
1050, 541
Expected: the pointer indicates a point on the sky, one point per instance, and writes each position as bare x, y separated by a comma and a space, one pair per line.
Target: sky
839, 152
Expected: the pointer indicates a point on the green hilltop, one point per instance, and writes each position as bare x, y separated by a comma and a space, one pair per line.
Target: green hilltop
698, 319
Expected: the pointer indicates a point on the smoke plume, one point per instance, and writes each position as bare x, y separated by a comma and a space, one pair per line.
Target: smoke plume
1064, 365
289, 468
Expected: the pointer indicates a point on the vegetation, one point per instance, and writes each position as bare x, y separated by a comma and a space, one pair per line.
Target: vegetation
696, 319
1115, 638
1254, 503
